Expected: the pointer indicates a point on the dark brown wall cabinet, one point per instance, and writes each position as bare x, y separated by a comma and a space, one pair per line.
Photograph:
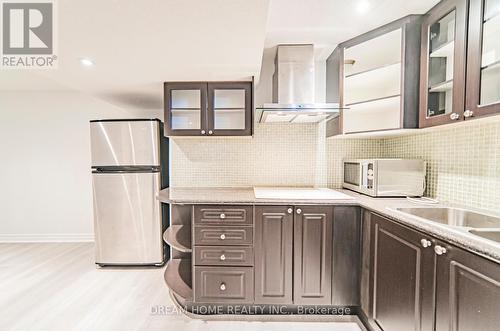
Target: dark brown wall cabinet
442, 63
208, 108
460, 62
419, 283
483, 59
375, 76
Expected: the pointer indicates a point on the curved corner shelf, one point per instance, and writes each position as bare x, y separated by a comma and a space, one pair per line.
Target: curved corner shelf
178, 278
178, 237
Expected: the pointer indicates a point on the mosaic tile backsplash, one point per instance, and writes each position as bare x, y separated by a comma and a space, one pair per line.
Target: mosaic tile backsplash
277, 155
463, 161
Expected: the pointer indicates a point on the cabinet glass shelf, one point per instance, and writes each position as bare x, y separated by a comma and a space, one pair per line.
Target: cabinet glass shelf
442, 87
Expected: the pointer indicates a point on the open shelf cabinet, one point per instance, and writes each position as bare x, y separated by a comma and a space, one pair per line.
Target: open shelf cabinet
374, 78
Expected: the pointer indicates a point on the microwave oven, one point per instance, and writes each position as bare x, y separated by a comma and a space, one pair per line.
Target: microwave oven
385, 177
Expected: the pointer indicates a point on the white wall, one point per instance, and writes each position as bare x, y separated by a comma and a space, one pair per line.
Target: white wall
46, 189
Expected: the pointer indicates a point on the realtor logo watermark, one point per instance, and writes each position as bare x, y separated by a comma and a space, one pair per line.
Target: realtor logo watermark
28, 34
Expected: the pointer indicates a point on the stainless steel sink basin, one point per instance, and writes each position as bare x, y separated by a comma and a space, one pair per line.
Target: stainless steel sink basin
454, 217
491, 235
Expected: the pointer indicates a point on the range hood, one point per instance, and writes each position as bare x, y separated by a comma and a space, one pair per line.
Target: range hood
293, 89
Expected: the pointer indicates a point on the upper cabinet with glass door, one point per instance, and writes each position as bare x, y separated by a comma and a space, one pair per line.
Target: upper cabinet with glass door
442, 73
208, 108
230, 108
185, 109
483, 59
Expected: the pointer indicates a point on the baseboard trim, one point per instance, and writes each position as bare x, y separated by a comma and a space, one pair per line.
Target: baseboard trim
50, 237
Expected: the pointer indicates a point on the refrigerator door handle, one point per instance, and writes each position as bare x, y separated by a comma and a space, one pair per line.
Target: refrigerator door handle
125, 170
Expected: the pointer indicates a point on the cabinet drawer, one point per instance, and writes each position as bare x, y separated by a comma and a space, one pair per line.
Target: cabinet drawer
223, 236
223, 255
223, 215
223, 284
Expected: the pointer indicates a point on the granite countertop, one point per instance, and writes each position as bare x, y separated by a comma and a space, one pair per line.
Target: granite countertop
383, 206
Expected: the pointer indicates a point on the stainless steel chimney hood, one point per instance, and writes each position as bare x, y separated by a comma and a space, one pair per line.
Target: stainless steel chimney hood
293, 89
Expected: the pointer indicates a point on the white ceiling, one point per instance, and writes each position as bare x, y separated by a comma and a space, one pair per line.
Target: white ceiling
326, 23
137, 45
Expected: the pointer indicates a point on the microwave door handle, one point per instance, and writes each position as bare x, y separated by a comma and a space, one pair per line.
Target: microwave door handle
364, 179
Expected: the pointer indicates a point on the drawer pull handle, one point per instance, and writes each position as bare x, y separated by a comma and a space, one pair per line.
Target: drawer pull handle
222, 216
222, 287
223, 236
222, 257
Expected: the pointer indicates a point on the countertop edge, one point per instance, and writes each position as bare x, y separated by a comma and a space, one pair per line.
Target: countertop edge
442, 232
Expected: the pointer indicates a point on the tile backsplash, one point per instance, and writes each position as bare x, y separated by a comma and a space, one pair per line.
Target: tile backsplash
277, 155
463, 161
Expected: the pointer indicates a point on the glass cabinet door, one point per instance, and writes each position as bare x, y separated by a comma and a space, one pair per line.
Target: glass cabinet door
186, 108
441, 54
230, 108
483, 66
443, 63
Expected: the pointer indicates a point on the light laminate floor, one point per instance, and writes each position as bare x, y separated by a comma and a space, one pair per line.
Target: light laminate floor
56, 286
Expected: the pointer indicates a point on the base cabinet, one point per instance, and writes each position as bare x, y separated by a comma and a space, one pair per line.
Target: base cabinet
274, 254
467, 291
402, 277
294, 254
313, 238
417, 282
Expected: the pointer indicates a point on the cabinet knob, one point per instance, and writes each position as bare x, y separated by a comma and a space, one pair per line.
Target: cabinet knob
289, 210
299, 211
425, 243
222, 257
202, 131
222, 216
210, 132
223, 236
222, 287
439, 250
454, 116
468, 113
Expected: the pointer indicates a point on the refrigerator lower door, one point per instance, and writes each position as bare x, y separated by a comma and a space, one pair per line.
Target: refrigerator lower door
127, 218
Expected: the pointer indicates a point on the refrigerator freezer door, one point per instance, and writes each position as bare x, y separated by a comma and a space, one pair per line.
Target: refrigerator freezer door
125, 143
127, 218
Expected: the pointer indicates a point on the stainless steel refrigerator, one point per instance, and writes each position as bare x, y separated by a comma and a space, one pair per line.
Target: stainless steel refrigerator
129, 168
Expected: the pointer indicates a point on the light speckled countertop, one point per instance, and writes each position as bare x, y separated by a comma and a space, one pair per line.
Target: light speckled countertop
383, 206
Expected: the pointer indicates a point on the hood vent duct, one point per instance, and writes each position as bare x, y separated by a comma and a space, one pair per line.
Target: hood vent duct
293, 89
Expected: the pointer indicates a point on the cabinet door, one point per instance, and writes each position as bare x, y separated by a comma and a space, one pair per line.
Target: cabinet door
483, 59
313, 238
346, 256
185, 109
442, 66
230, 108
273, 254
467, 291
402, 277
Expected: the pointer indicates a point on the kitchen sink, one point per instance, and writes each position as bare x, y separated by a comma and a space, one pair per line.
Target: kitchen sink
491, 235
454, 217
